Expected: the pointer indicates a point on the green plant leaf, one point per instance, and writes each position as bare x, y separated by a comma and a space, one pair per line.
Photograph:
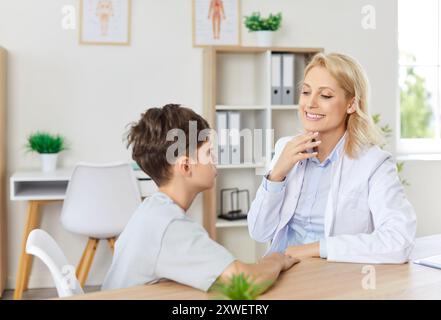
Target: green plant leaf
255, 22
387, 132
238, 287
43, 142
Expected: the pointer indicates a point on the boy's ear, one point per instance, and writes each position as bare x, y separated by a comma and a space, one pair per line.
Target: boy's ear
183, 167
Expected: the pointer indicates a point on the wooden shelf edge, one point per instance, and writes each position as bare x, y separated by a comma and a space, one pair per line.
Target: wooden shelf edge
239, 107
285, 107
241, 166
222, 223
251, 49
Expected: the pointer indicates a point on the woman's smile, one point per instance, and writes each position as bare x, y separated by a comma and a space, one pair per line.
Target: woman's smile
313, 116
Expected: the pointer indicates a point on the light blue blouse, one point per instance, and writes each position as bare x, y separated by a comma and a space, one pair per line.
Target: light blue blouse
307, 222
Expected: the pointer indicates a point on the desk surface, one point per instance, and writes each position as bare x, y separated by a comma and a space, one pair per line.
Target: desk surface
319, 279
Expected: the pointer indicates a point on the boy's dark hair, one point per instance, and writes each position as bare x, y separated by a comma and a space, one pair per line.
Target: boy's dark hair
148, 138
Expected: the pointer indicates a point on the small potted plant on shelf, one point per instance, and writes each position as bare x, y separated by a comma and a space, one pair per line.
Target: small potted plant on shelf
48, 146
263, 27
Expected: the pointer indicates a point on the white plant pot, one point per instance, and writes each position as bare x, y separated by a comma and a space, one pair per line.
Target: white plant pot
264, 38
48, 161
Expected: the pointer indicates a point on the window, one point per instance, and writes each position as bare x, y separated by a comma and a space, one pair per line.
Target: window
419, 76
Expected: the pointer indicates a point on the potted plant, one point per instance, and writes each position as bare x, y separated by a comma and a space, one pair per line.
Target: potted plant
263, 27
48, 146
238, 287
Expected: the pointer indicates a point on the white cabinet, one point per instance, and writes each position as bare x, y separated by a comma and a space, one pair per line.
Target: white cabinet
239, 79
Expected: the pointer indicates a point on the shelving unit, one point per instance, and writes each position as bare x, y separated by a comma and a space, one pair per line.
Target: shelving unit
241, 166
239, 108
284, 107
222, 223
239, 79
3, 264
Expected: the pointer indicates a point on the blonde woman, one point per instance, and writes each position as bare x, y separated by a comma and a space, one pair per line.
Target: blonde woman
332, 192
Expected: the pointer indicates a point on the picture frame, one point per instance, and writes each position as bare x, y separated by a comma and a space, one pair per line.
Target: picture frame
216, 23
105, 22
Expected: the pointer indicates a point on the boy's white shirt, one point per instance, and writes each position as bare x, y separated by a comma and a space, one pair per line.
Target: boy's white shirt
161, 242
367, 220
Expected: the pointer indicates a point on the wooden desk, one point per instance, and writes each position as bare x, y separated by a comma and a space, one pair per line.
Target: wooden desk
319, 279
39, 188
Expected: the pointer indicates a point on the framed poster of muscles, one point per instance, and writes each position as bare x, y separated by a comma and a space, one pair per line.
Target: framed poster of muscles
216, 23
105, 22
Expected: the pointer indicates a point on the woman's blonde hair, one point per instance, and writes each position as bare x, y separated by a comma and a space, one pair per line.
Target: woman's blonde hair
361, 130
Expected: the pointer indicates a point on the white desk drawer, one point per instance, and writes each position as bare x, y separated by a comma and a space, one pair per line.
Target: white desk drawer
38, 190
34, 185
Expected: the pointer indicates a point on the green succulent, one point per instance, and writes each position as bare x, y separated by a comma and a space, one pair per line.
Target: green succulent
255, 22
43, 142
238, 287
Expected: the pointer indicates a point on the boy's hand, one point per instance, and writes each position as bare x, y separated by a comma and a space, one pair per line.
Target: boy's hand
285, 261
304, 251
289, 262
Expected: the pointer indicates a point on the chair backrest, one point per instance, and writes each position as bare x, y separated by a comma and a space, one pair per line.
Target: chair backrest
100, 199
43, 246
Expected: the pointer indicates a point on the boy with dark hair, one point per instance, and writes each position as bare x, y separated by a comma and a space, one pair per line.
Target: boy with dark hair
160, 241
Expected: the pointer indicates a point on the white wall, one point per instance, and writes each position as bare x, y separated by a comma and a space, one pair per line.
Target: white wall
89, 93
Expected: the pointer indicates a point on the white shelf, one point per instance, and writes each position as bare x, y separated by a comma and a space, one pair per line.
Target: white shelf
31, 175
255, 107
239, 108
241, 166
36, 185
252, 99
222, 223
419, 157
285, 107
44, 190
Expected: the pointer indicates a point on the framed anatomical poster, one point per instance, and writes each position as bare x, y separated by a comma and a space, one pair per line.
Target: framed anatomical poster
105, 22
216, 23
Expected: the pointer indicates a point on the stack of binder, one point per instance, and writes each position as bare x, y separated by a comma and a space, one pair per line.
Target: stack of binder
229, 142
282, 78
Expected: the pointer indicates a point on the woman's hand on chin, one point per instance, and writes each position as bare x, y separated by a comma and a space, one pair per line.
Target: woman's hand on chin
310, 250
294, 151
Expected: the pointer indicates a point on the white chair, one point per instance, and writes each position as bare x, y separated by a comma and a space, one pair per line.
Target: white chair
100, 199
43, 246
